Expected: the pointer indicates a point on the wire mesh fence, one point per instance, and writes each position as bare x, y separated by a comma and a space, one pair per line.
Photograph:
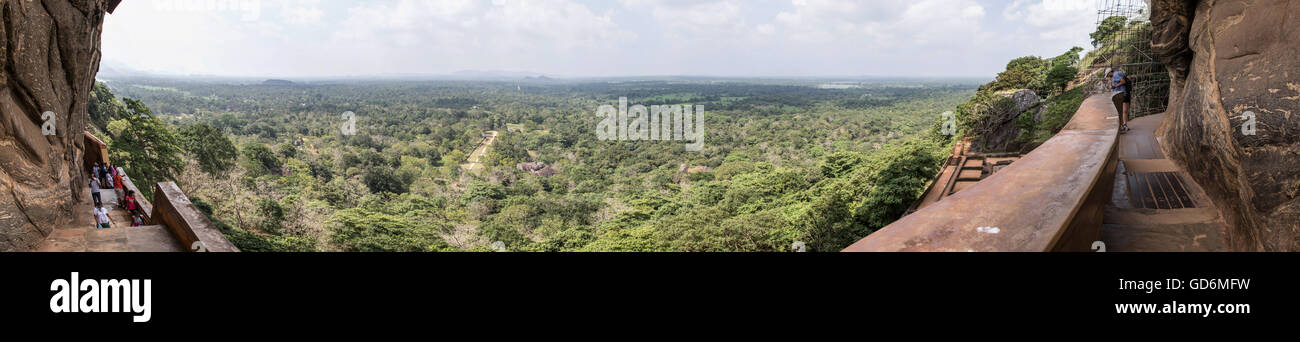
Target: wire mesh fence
1123, 43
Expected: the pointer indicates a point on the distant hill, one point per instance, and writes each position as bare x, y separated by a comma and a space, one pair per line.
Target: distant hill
494, 74
274, 82
115, 69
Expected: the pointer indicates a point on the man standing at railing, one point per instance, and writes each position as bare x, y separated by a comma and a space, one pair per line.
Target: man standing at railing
1119, 82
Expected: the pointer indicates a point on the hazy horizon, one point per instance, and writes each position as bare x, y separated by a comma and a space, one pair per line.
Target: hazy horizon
584, 39
119, 71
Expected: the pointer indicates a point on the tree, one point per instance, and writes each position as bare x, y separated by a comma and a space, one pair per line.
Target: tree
1022, 73
286, 151
509, 151
207, 145
842, 210
342, 192
144, 146
383, 179
1059, 77
1107, 29
272, 215
259, 160
1064, 69
1069, 58
361, 230
104, 106
640, 239
841, 163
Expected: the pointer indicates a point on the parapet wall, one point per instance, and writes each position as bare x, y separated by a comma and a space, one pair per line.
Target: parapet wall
1050, 200
146, 207
194, 231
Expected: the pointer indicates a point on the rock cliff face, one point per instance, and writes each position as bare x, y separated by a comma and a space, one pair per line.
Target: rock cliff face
999, 132
49, 50
1229, 59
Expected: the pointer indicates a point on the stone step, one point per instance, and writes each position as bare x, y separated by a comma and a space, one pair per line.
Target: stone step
1190, 237
116, 239
1150, 165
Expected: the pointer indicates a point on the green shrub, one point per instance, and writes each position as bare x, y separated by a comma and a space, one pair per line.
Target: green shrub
1059, 77
361, 230
248, 241
1061, 109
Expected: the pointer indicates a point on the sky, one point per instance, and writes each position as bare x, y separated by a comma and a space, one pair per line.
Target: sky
591, 38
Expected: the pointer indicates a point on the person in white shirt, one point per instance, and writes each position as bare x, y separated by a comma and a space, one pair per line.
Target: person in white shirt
94, 191
101, 217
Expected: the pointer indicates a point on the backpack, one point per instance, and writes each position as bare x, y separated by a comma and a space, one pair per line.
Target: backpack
1128, 85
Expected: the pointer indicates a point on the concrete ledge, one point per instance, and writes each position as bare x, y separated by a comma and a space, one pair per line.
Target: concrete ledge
194, 231
1050, 200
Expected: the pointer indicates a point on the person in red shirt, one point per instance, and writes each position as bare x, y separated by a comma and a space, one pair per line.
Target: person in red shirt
131, 205
118, 188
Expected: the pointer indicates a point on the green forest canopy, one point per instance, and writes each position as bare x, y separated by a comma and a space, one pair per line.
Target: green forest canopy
784, 162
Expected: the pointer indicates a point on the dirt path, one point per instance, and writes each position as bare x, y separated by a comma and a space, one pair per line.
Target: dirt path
472, 162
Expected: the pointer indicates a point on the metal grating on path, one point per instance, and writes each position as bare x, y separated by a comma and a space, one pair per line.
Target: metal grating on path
1159, 190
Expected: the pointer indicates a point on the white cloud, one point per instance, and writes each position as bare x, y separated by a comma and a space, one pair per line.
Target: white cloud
289, 38
450, 33
882, 23
302, 12
692, 17
1057, 20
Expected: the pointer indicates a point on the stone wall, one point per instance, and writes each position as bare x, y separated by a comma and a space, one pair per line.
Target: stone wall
1052, 199
49, 52
1228, 58
190, 227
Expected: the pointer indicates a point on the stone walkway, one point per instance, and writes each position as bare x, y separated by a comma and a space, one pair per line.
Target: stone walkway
1169, 228
82, 236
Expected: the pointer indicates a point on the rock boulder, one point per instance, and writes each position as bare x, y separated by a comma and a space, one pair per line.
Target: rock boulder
999, 132
1231, 62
